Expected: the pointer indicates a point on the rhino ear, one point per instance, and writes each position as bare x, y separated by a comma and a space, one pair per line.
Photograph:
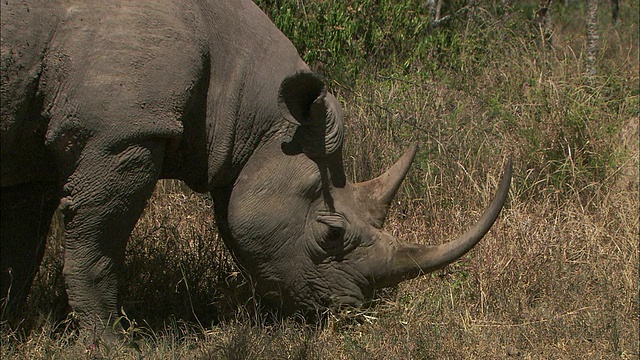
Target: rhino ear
303, 100
297, 94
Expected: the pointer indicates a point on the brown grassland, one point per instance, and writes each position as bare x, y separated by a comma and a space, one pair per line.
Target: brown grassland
555, 278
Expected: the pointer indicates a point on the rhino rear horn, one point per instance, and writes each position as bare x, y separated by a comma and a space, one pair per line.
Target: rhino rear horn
378, 193
303, 100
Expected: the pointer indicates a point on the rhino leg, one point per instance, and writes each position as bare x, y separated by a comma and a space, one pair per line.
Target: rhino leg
102, 200
27, 210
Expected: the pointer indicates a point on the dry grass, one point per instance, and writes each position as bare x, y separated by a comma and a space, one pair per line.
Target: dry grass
556, 277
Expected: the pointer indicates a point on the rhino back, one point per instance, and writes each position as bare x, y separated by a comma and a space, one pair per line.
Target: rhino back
202, 75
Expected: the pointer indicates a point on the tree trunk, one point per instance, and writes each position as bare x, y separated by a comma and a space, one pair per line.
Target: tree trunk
592, 36
615, 9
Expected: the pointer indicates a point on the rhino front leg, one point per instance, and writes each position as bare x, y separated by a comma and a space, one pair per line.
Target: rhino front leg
27, 210
102, 200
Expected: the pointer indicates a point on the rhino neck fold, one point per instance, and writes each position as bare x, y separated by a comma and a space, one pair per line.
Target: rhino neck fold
243, 119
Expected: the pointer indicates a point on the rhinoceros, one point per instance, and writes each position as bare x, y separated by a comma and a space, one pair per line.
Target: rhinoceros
102, 99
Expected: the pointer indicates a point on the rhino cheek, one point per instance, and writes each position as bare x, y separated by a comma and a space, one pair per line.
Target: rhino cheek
327, 285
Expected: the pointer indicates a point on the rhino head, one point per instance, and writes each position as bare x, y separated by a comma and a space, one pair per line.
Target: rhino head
304, 233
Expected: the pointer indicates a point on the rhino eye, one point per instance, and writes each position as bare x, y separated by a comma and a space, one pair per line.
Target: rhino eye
333, 220
333, 234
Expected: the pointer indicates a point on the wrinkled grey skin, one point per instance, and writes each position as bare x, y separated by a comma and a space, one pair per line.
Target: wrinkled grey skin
100, 101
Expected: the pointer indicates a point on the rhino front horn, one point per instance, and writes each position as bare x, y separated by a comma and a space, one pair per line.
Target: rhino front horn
377, 193
397, 261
